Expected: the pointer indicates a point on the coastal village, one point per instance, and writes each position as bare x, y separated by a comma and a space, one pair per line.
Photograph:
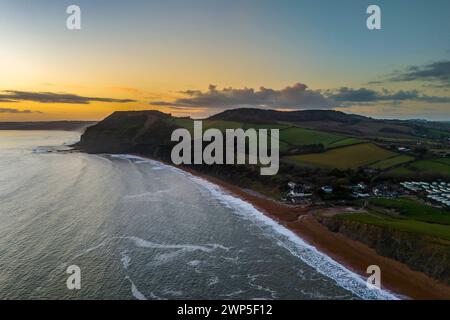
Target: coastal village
435, 193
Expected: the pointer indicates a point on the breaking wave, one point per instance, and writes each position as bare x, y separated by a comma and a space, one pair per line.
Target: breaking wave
322, 263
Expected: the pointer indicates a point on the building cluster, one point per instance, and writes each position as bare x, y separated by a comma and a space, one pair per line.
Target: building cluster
299, 193
309, 193
436, 192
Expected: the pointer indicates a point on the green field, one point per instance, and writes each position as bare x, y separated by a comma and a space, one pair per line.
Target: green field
431, 166
410, 216
351, 157
440, 133
223, 125
299, 136
391, 162
343, 142
184, 123
264, 126
207, 124
440, 166
411, 209
445, 161
406, 225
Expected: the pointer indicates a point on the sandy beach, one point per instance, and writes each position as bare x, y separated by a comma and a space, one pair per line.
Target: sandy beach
356, 256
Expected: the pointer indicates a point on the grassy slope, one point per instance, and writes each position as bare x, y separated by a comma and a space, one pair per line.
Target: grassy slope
343, 142
434, 166
406, 225
289, 136
412, 209
344, 152
299, 136
351, 157
391, 162
445, 161
412, 216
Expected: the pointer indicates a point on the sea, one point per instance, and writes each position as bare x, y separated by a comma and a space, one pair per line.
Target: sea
135, 228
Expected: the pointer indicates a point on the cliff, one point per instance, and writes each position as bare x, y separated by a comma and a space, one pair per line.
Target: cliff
146, 132
149, 133
428, 255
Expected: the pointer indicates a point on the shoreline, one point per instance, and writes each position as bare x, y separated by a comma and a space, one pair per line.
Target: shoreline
396, 277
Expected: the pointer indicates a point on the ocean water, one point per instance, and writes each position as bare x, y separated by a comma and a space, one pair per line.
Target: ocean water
138, 229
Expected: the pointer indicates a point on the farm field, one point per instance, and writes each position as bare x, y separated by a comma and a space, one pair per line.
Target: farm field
439, 166
391, 162
300, 136
223, 125
207, 124
412, 209
445, 161
407, 225
351, 157
344, 142
289, 136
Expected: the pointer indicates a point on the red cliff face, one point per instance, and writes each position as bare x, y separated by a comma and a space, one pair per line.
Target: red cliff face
428, 255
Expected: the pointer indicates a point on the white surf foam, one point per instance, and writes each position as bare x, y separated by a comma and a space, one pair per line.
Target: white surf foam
189, 247
135, 292
322, 263
126, 260
146, 196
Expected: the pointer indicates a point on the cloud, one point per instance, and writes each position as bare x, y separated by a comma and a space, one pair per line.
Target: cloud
434, 72
349, 96
297, 96
51, 97
10, 110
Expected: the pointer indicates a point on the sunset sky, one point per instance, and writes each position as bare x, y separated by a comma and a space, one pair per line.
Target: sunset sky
198, 57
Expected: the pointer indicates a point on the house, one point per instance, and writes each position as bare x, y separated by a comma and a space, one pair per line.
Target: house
327, 189
360, 195
292, 185
293, 194
362, 186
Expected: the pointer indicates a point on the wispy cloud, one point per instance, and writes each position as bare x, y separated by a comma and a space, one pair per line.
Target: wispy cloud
52, 97
298, 96
15, 111
437, 72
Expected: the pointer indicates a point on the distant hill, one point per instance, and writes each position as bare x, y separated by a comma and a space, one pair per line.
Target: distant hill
132, 131
47, 125
252, 115
332, 121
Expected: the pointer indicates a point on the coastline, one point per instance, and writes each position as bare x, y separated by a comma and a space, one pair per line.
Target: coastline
397, 278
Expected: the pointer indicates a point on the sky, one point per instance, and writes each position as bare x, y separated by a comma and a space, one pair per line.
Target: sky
199, 57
